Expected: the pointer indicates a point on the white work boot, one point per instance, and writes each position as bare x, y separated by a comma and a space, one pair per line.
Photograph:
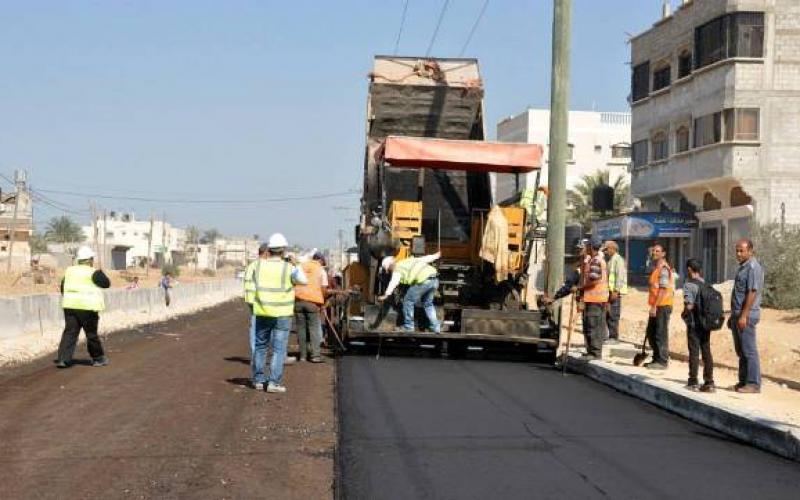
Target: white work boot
275, 388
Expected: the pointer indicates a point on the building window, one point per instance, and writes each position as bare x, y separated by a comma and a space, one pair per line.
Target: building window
660, 146
682, 139
742, 124
684, 64
661, 78
710, 202
739, 34
739, 197
707, 130
639, 154
109, 234
598, 149
640, 84
570, 152
621, 151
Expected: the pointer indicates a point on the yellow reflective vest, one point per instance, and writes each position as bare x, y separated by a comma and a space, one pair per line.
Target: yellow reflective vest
80, 292
274, 294
414, 271
617, 275
250, 282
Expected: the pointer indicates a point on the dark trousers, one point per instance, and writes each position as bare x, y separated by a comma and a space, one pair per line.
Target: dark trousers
308, 323
593, 331
612, 317
744, 341
699, 342
74, 321
658, 334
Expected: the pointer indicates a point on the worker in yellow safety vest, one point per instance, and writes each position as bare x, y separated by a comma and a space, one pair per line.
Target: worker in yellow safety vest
249, 285
617, 287
274, 277
309, 300
661, 290
82, 300
422, 281
594, 287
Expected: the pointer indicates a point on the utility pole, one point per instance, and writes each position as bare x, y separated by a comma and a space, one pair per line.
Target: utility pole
13, 228
95, 228
559, 124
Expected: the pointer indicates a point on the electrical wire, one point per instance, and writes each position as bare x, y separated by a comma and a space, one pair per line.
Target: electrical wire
402, 24
474, 28
201, 201
438, 25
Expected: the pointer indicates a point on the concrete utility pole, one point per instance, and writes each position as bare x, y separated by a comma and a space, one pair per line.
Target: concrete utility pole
557, 168
13, 227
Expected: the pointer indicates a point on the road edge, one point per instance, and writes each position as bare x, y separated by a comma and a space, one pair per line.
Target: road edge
775, 437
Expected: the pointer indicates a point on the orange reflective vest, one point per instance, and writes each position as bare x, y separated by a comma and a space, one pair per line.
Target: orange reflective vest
596, 292
313, 291
652, 298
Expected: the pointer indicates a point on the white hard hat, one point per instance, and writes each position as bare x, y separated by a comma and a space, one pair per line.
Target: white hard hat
84, 253
277, 240
387, 262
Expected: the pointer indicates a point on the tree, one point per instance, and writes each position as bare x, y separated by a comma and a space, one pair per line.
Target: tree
63, 230
38, 243
579, 199
210, 236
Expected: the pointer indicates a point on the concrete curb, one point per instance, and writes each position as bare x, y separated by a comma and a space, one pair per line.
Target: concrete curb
776, 437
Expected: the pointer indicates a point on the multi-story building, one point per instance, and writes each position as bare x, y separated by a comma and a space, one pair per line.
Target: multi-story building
597, 141
125, 241
16, 223
716, 121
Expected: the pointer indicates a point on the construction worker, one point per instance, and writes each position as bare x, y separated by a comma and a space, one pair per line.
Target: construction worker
422, 280
82, 299
661, 290
617, 287
249, 285
309, 300
573, 266
273, 306
594, 287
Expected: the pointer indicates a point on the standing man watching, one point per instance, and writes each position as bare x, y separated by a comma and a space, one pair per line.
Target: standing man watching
594, 284
617, 287
745, 313
422, 280
309, 300
698, 338
660, 296
273, 306
82, 300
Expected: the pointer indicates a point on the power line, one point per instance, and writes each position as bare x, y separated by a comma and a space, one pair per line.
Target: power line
402, 24
201, 201
438, 25
474, 27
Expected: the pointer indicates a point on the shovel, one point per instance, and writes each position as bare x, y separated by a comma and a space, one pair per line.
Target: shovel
638, 360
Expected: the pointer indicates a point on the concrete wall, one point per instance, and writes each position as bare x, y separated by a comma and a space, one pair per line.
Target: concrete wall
21, 315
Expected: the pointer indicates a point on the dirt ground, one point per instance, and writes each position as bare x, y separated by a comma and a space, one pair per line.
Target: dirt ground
22, 283
778, 335
170, 417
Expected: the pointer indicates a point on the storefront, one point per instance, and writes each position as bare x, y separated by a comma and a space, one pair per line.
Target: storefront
636, 233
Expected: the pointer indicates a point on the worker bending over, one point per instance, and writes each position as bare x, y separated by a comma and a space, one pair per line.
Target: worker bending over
81, 300
422, 280
273, 306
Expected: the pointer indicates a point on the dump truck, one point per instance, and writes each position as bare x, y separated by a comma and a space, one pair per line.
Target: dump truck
428, 175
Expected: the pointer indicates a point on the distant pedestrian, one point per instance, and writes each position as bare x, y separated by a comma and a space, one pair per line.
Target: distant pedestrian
134, 284
273, 305
745, 314
617, 287
660, 297
166, 285
82, 300
698, 337
309, 300
594, 287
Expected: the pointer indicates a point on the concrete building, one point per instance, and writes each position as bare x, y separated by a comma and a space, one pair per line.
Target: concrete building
125, 241
716, 121
597, 141
236, 251
19, 201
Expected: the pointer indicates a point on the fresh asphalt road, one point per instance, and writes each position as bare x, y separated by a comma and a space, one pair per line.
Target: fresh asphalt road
436, 428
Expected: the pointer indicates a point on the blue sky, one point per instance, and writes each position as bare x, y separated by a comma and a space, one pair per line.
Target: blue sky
201, 100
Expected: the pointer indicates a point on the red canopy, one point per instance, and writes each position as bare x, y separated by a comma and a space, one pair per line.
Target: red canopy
472, 156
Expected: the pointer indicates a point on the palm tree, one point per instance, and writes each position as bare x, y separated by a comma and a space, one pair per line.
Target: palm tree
63, 230
579, 199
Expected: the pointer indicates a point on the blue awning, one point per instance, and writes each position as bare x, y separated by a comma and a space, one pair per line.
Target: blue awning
646, 225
